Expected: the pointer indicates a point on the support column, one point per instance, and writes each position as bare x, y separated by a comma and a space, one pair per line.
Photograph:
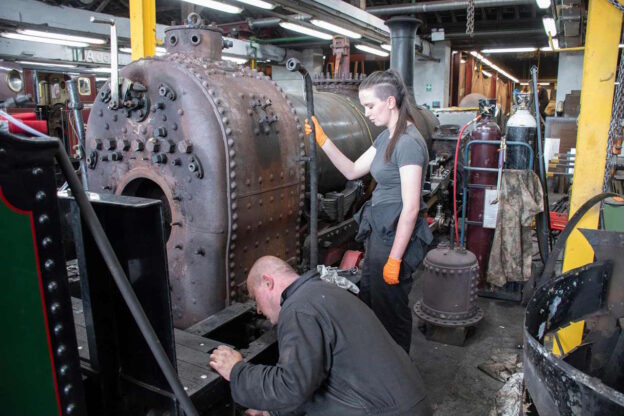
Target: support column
468, 73
493, 79
142, 28
455, 66
604, 24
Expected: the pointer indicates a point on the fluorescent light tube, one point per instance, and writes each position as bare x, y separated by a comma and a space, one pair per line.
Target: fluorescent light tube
46, 64
487, 74
30, 38
336, 29
549, 26
372, 50
61, 36
160, 50
212, 4
235, 59
509, 50
524, 83
258, 3
543, 4
305, 30
386, 47
101, 70
462, 61
101, 79
543, 83
492, 65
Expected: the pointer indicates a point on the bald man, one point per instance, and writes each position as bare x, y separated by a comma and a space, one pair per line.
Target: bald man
335, 357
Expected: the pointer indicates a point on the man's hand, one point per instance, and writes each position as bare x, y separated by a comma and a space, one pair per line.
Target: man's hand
223, 359
254, 412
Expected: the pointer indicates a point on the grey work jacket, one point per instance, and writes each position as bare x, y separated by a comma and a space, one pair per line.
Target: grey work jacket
335, 359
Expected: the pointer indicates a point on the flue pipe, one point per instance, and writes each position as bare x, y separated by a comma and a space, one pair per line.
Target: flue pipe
403, 36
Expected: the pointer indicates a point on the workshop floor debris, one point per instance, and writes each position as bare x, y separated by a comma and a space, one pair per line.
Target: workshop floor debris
455, 383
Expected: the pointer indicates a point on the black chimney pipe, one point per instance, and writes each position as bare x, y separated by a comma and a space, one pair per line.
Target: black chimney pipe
403, 36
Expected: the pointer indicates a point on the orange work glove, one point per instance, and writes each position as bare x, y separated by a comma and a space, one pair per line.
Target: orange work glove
321, 137
391, 271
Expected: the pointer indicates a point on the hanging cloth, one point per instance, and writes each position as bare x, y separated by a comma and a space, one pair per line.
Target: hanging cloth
520, 200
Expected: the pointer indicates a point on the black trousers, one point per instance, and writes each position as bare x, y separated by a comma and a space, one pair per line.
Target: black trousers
389, 302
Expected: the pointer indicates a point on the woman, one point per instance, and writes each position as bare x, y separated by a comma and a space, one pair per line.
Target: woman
391, 223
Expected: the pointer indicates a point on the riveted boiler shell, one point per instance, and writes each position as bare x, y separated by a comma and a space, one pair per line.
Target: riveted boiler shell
231, 184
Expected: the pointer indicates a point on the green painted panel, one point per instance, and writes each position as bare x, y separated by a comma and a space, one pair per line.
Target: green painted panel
26, 377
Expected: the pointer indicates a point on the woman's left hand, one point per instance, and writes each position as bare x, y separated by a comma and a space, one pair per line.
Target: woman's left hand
391, 271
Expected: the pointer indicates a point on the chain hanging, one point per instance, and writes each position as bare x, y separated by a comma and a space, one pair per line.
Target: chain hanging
615, 128
470, 18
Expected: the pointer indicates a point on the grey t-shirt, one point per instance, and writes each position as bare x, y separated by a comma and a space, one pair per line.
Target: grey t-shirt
410, 149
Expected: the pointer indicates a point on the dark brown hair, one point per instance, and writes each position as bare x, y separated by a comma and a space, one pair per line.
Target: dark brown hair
389, 83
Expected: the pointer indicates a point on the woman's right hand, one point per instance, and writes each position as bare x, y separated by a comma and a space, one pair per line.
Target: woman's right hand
320, 135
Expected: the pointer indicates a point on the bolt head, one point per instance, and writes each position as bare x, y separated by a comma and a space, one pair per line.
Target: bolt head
152, 145
169, 146
123, 144
185, 146
137, 145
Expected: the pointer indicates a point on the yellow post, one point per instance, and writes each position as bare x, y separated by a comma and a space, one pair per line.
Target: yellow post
142, 28
604, 23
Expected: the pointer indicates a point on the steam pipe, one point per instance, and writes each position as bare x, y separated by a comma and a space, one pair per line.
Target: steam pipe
263, 23
76, 106
275, 20
495, 33
114, 82
293, 65
441, 6
544, 230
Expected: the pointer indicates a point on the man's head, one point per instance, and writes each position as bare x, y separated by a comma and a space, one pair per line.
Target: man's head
267, 279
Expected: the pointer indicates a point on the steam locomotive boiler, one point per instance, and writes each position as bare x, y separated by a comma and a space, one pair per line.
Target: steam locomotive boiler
223, 148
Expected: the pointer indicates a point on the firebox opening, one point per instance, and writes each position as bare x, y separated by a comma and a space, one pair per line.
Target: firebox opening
146, 188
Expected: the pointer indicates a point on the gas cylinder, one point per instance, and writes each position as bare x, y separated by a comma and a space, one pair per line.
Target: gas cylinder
479, 239
521, 127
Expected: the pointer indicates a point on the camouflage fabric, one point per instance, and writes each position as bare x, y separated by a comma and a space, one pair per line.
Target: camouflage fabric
520, 200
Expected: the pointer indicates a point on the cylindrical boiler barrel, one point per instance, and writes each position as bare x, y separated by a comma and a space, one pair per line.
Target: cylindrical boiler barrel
479, 239
344, 122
